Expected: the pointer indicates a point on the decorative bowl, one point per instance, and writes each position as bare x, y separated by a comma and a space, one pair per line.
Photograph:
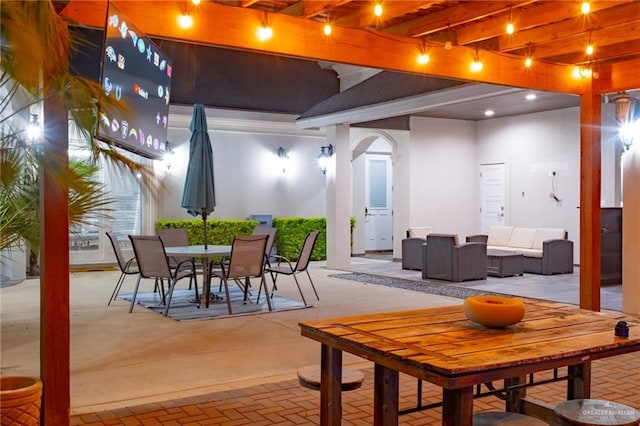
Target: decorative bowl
493, 311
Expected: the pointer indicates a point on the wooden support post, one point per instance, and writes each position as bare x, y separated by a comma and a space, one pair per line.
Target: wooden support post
54, 265
590, 176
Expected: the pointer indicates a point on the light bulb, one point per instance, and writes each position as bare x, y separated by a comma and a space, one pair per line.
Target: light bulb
476, 65
423, 58
530, 96
185, 21
327, 29
528, 62
489, 113
377, 10
195, 2
589, 49
265, 33
585, 7
510, 28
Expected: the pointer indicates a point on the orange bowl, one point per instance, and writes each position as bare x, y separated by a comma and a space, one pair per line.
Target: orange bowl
493, 311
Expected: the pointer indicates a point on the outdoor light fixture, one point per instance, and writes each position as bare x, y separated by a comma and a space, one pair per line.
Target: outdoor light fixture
33, 129
323, 158
629, 130
283, 159
168, 155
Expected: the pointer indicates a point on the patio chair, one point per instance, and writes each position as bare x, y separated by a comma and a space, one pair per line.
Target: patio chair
176, 237
271, 233
153, 263
127, 267
447, 260
246, 261
285, 267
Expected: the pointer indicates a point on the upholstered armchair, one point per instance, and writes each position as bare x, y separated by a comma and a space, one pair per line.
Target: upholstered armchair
445, 259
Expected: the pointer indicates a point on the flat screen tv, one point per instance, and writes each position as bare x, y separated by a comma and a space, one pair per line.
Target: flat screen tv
137, 73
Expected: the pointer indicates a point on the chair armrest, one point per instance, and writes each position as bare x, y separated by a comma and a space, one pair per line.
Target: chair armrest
557, 256
478, 238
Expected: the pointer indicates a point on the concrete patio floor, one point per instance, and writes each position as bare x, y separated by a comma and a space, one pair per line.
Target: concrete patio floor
122, 360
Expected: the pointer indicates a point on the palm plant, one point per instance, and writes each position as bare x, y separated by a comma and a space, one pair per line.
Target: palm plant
34, 46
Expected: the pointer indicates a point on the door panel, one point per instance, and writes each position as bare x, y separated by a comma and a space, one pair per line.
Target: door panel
493, 196
378, 211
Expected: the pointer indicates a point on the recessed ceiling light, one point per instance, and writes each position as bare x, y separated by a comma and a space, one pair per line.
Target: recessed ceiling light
489, 113
530, 96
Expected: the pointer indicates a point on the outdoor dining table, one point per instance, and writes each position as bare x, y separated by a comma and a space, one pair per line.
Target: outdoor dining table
441, 346
205, 254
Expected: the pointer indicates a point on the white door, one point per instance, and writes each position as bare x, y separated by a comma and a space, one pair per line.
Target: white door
493, 205
378, 211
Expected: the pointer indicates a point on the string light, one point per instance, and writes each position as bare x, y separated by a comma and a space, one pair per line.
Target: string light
377, 10
327, 29
423, 58
528, 62
510, 27
265, 33
185, 21
585, 7
589, 49
476, 65
195, 2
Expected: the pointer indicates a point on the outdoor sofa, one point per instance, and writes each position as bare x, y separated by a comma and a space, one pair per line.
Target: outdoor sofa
546, 251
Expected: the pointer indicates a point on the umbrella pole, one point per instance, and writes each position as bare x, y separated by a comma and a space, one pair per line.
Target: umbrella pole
204, 222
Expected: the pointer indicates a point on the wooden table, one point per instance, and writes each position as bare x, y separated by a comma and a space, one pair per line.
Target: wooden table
441, 346
204, 253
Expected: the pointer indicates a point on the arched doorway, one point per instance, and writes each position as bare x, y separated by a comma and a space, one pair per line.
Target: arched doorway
372, 158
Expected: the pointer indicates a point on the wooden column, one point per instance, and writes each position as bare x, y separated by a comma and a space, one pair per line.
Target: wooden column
590, 175
54, 265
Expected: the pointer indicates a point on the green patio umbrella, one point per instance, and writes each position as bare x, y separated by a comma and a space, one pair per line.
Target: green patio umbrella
198, 196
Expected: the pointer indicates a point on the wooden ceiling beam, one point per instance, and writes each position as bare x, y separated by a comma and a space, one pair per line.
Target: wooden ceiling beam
311, 8
453, 16
527, 17
628, 49
578, 43
391, 9
233, 27
606, 23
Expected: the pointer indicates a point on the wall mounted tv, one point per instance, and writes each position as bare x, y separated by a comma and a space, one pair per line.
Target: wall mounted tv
135, 72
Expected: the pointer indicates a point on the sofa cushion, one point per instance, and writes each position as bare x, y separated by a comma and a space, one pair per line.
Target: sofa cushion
499, 235
522, 237
529, 252
420, 232
544, 234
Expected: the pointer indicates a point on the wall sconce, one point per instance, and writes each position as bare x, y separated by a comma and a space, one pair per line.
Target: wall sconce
169, 155
326, 152
283, 159
33, 129
629, 130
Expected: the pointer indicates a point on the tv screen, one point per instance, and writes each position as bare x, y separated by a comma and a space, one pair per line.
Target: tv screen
137, 73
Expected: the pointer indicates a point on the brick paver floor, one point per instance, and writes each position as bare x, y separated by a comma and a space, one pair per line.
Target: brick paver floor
288, 403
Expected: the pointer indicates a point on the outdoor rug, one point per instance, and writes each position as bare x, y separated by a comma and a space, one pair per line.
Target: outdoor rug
184, 308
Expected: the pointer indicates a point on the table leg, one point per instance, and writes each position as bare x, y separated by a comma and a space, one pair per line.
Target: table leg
206, 281
457, 407
330, 386
579, 382
385, 396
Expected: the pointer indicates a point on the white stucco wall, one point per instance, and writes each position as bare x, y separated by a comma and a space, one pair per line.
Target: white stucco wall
247, 174
443, 176
532, 147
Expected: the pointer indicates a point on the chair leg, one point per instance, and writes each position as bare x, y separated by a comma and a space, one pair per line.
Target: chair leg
263, 282
135, 292
116, 290
247, 283
299, 289
312, 286
226, 291
172, 285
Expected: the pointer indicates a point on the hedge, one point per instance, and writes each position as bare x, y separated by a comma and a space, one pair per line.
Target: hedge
289, 238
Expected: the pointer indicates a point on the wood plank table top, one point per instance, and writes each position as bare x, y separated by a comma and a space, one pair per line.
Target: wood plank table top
442, 346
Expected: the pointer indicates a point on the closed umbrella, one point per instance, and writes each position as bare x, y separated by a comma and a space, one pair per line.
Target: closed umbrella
199, 196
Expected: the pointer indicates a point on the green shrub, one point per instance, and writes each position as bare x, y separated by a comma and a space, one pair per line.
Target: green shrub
219, 231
